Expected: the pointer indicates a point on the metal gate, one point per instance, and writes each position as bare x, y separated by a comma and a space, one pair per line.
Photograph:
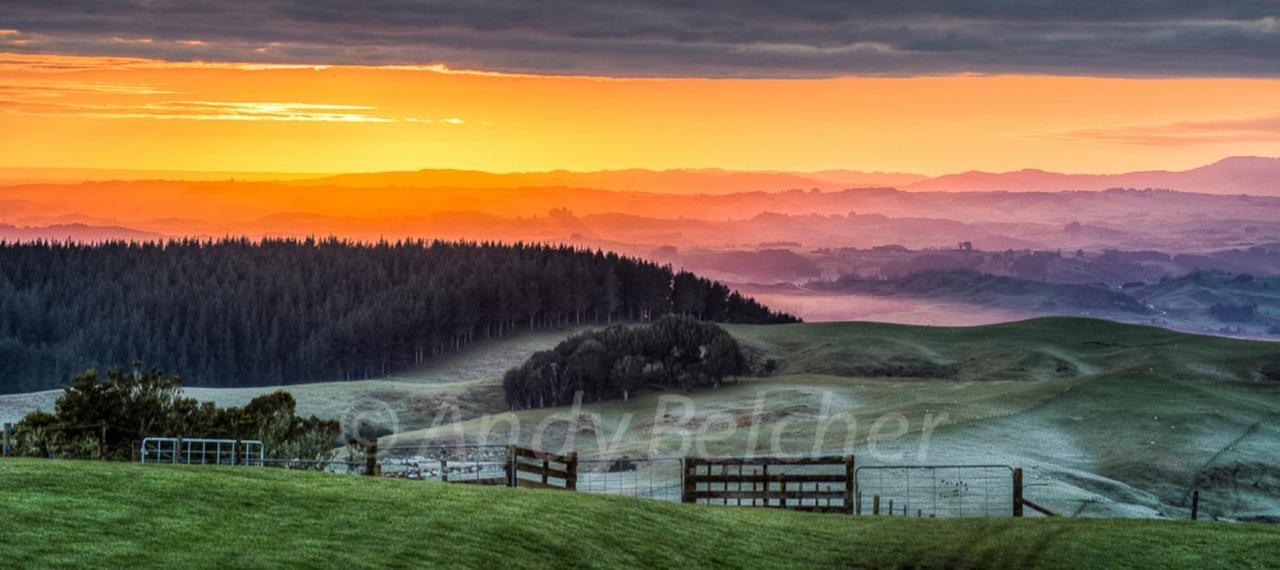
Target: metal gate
201, 451
935, 490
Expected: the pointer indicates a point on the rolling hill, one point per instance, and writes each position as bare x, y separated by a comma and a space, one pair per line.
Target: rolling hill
1108, 419
1254, 175
276, 518
677, 181
1201, 301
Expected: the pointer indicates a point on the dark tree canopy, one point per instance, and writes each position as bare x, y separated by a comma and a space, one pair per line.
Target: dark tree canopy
673, 352
103, 417
247, 313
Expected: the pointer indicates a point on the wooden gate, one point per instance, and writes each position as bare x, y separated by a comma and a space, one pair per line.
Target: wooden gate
822, 484
538, 469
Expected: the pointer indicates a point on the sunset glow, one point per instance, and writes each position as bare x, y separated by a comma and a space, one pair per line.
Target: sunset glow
58, 111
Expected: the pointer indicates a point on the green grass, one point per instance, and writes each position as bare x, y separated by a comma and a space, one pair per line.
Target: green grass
83, 514
1043, 348
1108, 419
469, 381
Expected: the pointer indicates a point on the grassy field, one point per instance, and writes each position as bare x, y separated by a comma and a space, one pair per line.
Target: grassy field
468, 381
85, 514
1107, 419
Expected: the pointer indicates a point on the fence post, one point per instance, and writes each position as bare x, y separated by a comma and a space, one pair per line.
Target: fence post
511, 466
444, 467
1195, 505
1017, 491
875, 504
8, 438
764, 472
689, 482
102, 444
372, 468
848, 483
782, 483
571, 466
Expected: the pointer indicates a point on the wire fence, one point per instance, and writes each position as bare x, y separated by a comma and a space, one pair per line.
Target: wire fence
950, 491
335, 466
657, 478
454, 463
934, 491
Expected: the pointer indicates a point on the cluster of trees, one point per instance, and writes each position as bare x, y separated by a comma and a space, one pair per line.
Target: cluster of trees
246, 313
102, 418
672, 352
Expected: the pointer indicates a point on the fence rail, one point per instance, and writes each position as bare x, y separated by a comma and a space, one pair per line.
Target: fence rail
938, 490
478, 464
823, 484
540, 469
201, 451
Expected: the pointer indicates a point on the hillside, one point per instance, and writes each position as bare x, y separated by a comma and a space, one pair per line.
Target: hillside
237, 313
1233, 175
696, 181
1201, 301
994, 290
1108, 419
469, 381
275, 518
840, 216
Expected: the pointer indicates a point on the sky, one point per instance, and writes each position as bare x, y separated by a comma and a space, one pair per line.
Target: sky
929, 87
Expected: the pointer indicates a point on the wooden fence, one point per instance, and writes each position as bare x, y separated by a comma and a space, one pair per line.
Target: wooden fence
544, 467
521, 467
821, 484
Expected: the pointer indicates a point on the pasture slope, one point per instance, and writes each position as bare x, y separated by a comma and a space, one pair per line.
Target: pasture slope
88, 514
468, 381
1108, 419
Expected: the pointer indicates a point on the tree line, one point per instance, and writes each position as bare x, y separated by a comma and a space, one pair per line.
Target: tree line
673, 352
238, 312
102, 417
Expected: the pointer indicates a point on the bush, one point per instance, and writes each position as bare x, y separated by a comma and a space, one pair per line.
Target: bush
673, 352
128, 406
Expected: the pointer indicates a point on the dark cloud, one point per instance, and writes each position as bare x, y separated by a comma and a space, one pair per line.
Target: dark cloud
673, 38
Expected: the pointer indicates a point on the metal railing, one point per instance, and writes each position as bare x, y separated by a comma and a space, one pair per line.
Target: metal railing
935, 490
201, 451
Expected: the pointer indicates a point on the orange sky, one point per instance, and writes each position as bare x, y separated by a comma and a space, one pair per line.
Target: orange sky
60, 111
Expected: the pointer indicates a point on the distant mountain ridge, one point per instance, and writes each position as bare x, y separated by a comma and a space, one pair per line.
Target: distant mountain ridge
1234, 175
1213, 302
1253, 175
81, 233
676, 181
